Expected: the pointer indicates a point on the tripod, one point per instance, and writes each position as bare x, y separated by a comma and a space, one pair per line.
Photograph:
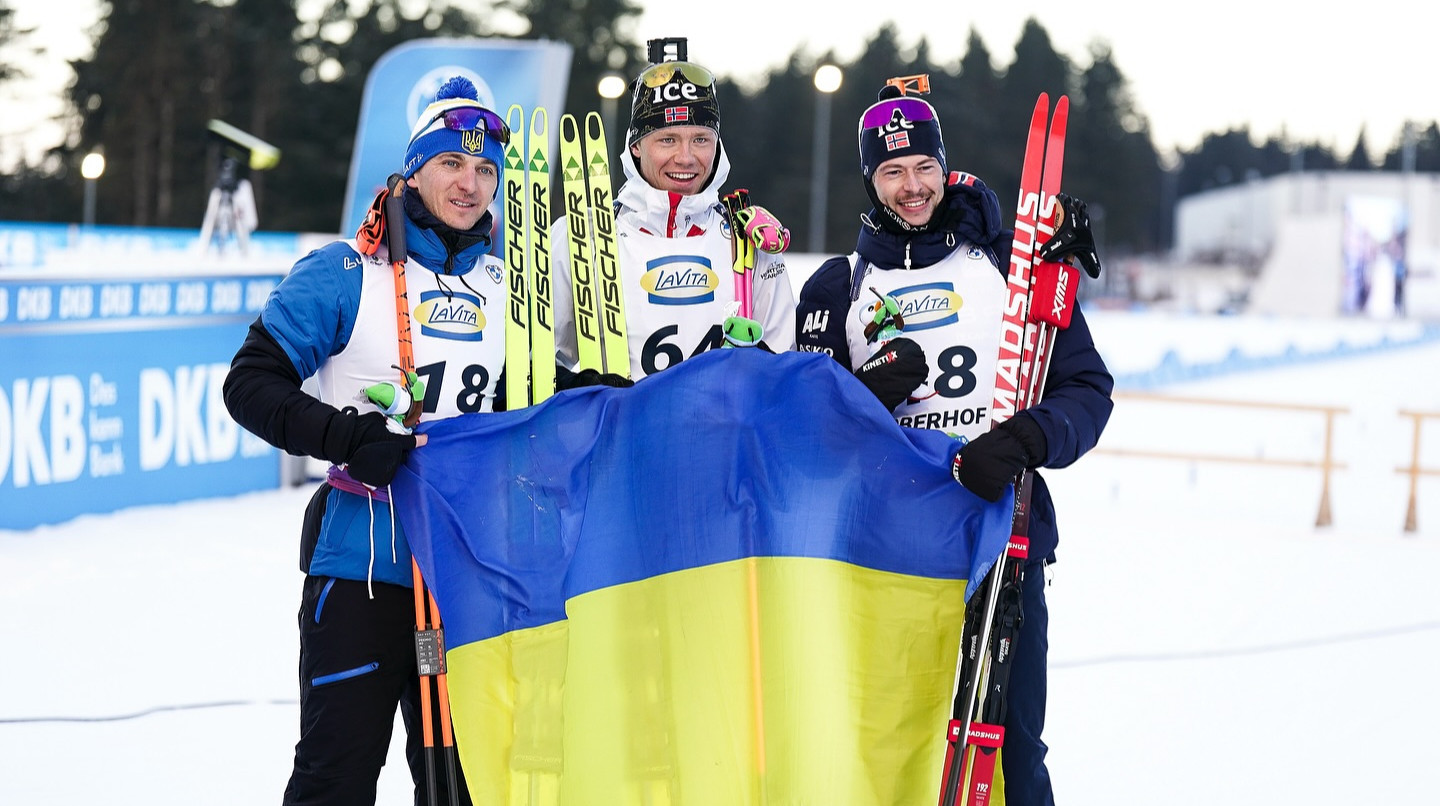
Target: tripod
230, 213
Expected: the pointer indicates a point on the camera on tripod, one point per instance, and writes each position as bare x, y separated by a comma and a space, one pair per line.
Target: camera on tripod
230, 213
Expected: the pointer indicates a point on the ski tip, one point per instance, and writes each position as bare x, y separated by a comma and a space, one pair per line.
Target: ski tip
539, 120
594, 126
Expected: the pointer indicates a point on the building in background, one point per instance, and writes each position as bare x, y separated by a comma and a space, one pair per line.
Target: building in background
1320, 243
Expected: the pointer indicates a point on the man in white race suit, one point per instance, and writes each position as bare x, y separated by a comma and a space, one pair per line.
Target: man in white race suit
672, 238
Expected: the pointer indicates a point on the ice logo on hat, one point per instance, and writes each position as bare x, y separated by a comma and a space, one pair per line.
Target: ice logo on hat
897, 122
422, 93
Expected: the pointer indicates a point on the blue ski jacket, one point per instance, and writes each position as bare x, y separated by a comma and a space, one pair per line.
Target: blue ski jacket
309, 319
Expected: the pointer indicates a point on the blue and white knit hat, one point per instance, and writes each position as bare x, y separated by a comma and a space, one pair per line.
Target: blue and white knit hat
433, 136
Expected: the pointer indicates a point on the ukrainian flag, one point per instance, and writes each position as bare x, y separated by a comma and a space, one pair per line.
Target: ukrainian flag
739, 582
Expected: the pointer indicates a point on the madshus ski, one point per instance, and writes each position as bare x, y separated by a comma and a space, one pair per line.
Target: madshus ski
1040, 296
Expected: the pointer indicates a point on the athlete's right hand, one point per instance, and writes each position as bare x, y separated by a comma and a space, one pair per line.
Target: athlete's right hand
894, 371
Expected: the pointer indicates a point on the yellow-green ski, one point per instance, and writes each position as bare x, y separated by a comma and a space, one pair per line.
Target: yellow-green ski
542, 299
582, 275
607, 264
517, 283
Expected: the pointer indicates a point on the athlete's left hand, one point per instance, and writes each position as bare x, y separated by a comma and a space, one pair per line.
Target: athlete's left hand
990, 462
568, 379
763, 229
1072, 236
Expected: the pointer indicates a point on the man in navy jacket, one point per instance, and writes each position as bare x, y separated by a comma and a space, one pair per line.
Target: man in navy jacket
916, 313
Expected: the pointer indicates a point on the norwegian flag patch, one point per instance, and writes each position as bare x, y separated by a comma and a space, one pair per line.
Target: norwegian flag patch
896, 140
677, 114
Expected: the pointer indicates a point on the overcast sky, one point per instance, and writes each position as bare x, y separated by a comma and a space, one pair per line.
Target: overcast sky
1209, 66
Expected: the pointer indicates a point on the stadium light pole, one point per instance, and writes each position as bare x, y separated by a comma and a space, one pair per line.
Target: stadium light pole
91, 168
611, 87
827, 80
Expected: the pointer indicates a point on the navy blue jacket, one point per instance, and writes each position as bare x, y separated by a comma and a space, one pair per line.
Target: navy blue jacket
1076, 403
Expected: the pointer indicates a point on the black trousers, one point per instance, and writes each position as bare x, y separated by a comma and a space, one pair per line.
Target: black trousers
357, 663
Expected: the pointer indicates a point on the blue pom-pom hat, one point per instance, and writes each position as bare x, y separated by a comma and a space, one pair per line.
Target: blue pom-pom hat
431, 137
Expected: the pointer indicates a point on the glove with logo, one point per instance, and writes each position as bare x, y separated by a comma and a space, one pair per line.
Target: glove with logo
990, 462
567, 379
763, 229
1072, 236
894, 371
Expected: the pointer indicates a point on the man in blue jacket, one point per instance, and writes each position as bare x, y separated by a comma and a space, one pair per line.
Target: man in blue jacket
333, 319
916, 313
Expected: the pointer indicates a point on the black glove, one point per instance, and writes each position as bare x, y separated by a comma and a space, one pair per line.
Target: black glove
371, 451
894, 371
565, 379
990, 462
1073, 236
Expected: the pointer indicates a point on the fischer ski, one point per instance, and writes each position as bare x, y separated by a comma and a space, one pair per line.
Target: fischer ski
529, 311
542, 301
600, 335
518, 232
993, 617
577, 228
602, 216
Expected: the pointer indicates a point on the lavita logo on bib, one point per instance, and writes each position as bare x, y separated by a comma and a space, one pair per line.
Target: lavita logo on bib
450, 316
680, 280
922, 306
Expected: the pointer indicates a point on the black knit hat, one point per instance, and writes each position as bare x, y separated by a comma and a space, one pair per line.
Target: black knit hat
898, 125
677, 93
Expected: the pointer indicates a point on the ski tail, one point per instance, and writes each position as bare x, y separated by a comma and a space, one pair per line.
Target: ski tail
615, 343
517, 281
583, 286
993, 617
542, 300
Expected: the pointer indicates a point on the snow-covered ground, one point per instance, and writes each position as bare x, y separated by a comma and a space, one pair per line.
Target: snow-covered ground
1208, 643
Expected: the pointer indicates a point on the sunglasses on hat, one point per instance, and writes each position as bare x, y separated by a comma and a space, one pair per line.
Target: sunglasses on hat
883, 113
472, 118
658, 75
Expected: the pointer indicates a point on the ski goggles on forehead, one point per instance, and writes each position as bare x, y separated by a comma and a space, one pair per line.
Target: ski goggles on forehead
658, 75
473, 118
882, 114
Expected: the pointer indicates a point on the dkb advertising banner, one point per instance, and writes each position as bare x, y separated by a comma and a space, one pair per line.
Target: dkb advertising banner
110, 394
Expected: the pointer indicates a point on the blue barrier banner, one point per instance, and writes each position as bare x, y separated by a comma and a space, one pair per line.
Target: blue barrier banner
404, 81
110, 394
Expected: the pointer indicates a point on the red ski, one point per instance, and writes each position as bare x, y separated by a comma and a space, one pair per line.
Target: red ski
993, 617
